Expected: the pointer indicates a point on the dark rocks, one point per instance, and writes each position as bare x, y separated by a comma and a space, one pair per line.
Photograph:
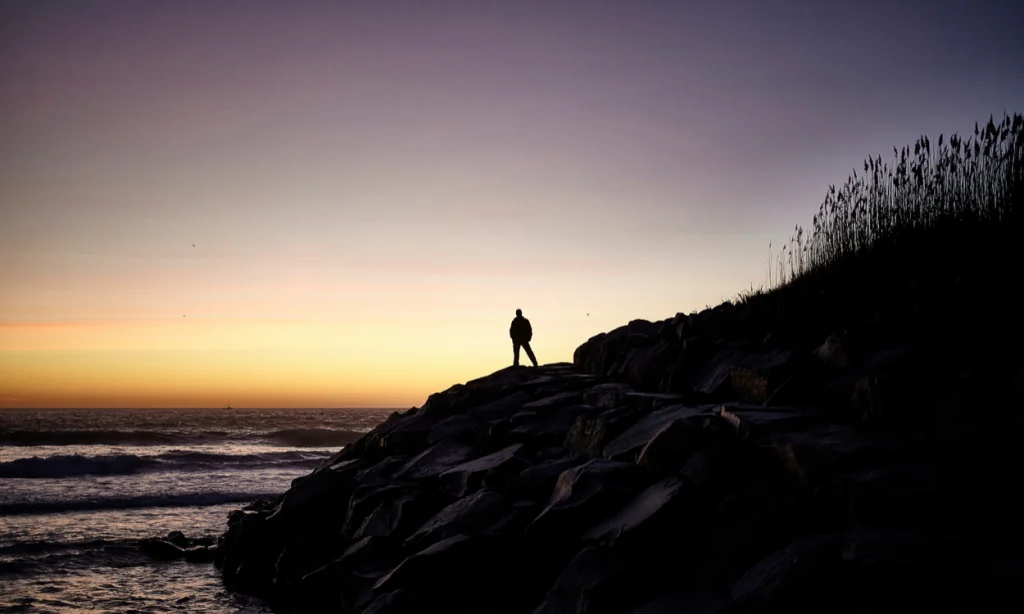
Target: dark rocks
670, 446
434, 461
658, 513
479, 513
724, 461
538, 481
629, 444
803, 576
742, 375
595, 582
585, 493
502, 408
461, 428
469, 476
175, 546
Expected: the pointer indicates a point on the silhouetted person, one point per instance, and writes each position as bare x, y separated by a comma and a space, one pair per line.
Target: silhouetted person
521, 333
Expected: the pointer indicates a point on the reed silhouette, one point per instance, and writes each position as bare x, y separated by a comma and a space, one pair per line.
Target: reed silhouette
962, 194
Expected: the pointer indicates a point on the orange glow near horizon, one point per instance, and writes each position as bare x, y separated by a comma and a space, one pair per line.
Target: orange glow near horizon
343, 205
212, 364
249, 363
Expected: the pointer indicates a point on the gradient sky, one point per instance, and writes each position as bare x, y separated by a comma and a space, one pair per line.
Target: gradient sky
373, 188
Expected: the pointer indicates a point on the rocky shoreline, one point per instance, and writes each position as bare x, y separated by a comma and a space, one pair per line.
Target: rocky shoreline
668, 469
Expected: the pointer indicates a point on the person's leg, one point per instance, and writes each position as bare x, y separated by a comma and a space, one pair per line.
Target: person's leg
515, 354
529, 352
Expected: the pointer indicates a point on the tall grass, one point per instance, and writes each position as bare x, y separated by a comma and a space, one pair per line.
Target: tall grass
952, 184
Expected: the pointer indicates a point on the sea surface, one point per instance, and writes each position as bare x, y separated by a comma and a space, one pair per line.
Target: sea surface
79, 488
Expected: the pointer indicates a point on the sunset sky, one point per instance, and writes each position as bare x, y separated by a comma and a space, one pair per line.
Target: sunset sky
329, 204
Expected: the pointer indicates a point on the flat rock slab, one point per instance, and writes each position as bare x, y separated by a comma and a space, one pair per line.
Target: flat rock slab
658, 502
650, 400
835, 447
469, 476
756, 419
627, 445
453, 428
593, 580
470, 515
605, 395
417, 568
584, 493
502, 408
366, 498
539, 480
554, 401
794, 576
434, 461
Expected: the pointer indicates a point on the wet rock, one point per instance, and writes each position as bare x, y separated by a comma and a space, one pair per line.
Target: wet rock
161, 549
247, 554
200, 554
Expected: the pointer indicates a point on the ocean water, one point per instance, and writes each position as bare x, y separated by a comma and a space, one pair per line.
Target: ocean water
79, 488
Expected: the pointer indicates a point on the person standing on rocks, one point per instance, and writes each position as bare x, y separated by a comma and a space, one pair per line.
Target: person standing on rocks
521, 333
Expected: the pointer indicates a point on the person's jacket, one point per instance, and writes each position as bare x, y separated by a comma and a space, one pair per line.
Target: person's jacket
520, 331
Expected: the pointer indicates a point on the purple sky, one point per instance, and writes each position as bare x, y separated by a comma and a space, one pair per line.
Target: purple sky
439, 163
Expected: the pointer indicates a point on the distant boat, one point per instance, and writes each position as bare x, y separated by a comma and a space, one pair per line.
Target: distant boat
227, 407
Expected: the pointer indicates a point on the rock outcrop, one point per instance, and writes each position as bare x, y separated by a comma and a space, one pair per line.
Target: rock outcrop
698, 464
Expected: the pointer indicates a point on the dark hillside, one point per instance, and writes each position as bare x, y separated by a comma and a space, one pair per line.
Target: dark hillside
846, 441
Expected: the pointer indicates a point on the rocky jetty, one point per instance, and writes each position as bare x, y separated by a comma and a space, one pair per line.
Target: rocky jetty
713, 462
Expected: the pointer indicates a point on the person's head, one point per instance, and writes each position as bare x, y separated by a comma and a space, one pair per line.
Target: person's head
519, 313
